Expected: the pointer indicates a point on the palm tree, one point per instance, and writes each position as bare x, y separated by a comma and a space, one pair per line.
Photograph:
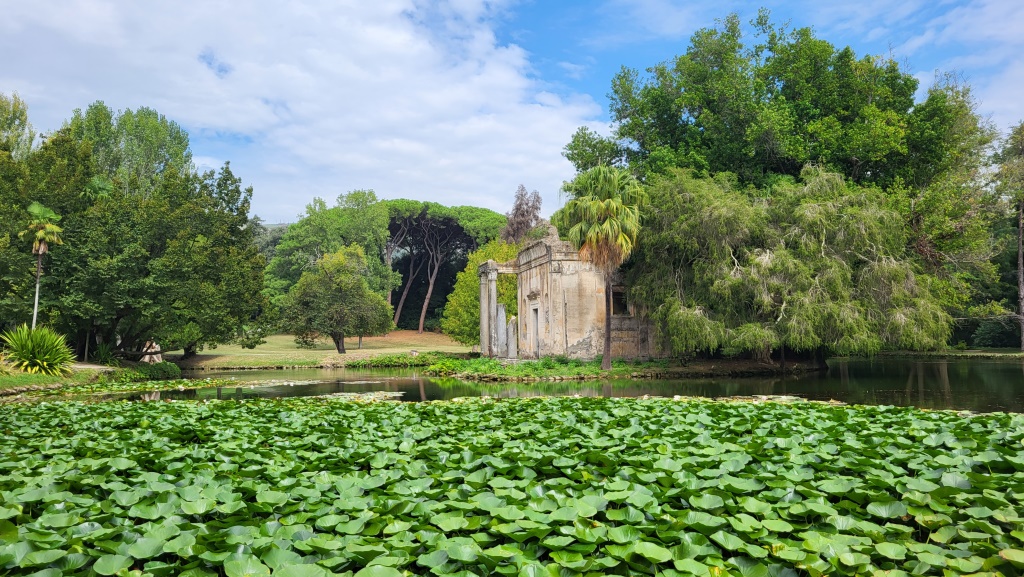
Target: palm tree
603, 218
44, 231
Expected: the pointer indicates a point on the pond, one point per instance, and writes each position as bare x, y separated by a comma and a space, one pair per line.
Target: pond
982, 385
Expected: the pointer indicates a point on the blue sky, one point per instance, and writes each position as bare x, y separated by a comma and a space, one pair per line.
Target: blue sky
457, 101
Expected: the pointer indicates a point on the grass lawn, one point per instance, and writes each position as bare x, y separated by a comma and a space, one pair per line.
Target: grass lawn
18, 379
281, 351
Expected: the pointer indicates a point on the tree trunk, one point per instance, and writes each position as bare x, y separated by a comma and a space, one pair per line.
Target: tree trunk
413, 273
39, 272
360, 345
1020, 270
430, 289
190, 351
606, 361
339, 343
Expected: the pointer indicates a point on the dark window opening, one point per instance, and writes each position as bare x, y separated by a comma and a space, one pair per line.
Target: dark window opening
619, 306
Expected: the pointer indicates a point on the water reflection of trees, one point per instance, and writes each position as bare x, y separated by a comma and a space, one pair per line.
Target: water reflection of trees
961, 384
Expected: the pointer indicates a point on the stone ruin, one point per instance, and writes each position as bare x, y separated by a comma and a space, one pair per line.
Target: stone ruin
561, 308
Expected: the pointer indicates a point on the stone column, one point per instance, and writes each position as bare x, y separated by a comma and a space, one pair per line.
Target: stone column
485, 328
501, 340
492, 308
513, 338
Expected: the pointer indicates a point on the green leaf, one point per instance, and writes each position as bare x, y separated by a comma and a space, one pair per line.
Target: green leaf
433, 559
111, 564
728, 540
197, 507
892, 551
652, 552
301, 570
888, 509
272, 497
146, 547
378, 571
707, 502
777, 526
44, 557
246, 566
624, 534
1015, 556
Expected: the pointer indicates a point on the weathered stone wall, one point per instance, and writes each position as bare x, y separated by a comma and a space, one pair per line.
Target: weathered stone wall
561, 308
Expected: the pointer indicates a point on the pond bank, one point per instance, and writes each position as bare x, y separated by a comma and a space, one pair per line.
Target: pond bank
549, 369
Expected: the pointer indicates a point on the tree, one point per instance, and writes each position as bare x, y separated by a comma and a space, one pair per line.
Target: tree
524, 216
603, 219
16, 133
461, 317
1011, 183
133, 148
822, 268
358, 217
334, 300
43, 231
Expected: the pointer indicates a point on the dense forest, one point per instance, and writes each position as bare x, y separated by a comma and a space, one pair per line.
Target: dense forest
798, 197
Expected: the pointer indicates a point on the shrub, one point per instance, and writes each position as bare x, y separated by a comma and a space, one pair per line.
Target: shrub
104, 355
996, 333
158, 371
4, 368
38, 350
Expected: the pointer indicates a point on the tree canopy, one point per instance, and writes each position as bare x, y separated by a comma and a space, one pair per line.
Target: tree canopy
333, 299
819, 266
155, 250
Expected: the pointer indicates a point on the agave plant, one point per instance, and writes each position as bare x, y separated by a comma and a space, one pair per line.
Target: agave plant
38, 350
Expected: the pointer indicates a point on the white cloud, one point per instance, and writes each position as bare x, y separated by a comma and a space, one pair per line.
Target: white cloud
413, 99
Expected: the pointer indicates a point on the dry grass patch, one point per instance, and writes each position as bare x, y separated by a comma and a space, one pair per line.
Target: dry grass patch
281, 351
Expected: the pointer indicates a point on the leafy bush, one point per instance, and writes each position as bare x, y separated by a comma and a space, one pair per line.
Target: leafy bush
996, 334
397, 360
4, 368
104, 355
39, 350
158, 371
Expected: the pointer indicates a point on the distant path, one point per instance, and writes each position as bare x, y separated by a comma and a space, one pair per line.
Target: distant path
91, 366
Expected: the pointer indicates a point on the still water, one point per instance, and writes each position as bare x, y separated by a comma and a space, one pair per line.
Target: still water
978, 385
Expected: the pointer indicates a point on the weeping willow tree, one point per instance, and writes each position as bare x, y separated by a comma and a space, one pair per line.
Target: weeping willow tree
817, 266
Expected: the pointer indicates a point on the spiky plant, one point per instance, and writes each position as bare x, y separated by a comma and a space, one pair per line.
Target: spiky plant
38, 350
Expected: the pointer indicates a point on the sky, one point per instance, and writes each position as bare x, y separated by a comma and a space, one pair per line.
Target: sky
453, 101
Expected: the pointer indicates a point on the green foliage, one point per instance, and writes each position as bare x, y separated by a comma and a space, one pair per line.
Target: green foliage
38, 350
157, 371
16, 133
996, 333
398, 360
823, 266
357, 218
602, 218
334, 300
547, 367
763, 107
159, 252
603, 215
461, 320
103, 354
612, 486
